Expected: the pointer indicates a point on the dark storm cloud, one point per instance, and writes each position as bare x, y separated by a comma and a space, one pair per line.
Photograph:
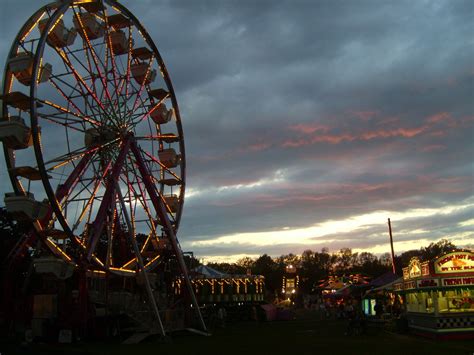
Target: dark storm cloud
297, 112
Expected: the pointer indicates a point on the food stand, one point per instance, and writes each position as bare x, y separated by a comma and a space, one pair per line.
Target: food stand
439, 295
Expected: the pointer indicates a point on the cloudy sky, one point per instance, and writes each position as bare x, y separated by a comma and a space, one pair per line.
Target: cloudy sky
309, 123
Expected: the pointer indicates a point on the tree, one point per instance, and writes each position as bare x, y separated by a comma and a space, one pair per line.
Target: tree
309, 270
264, 265
437, 249
246, 263
289, 259
228, 268
345, 260
326, 261
267, 267
10, 232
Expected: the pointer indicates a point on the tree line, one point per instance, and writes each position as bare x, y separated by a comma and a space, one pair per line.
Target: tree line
315, 266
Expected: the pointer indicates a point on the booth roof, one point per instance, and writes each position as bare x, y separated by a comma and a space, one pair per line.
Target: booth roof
388, 286
384, 279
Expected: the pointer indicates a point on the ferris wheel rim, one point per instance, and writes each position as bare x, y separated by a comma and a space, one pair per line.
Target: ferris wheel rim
8, 78
169, 84
59, 11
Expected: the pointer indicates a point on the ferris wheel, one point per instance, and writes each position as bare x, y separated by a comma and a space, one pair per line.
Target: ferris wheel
92, 136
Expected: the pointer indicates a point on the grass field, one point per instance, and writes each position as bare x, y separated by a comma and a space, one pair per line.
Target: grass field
307, 335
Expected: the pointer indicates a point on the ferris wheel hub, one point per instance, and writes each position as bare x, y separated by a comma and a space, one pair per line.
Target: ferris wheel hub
99, 136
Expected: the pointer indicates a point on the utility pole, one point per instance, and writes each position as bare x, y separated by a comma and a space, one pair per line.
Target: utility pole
391, 245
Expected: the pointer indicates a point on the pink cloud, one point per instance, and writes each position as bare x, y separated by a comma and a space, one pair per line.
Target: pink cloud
256, 147
438, 117
435, 125
365, 115
309, 128
399, 132
389, 121
433, 148
347, 137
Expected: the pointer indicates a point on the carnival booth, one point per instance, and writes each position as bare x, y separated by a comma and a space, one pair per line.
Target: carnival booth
290, 283
380, 290
214, 287
439, 295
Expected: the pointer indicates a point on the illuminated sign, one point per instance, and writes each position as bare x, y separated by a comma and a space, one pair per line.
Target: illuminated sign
408, 285
414, 268
458, 281
406, 273
456, 262
398, 287
427, 283
425, 268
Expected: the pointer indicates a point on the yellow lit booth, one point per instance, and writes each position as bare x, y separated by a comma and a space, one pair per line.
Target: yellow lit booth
214, 287
290, 282
439, 295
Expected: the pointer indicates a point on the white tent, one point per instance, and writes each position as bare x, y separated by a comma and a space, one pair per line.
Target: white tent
207, 271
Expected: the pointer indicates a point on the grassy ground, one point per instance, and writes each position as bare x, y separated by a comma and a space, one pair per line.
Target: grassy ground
306, 335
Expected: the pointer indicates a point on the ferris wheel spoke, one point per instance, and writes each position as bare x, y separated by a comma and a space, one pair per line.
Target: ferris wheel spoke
140, 195
69, 198
56, 80
91, 77
154, 107
135, 118
78, 60
156, 161
52, 119
69, 157
72, 202
64, 189
109, 257
166, 137
125, 80
80, 79
143, 84
95, 59
91, 74
111, 52
78, 110
108, 198
130, 199
97, 183
69, 112
156, 197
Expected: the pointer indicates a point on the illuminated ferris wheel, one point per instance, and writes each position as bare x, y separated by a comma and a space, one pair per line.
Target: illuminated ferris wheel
92, 136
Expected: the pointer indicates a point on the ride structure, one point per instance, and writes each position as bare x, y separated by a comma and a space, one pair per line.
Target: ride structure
95, 152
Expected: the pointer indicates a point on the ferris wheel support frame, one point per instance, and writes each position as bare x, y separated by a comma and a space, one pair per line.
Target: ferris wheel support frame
160, 208
129, 143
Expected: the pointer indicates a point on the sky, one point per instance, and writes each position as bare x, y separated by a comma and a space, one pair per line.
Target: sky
308, 123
